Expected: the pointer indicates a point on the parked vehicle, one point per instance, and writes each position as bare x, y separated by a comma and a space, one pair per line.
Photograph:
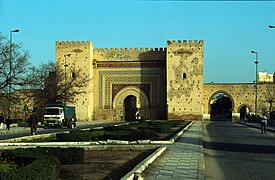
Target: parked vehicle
58, 115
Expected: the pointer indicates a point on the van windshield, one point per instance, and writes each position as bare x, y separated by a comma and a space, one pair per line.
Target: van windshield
51, 111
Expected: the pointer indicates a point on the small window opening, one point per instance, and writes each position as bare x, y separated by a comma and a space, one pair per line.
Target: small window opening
184, 75
73, 75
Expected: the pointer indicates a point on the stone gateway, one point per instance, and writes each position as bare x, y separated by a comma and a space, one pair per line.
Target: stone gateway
155, 83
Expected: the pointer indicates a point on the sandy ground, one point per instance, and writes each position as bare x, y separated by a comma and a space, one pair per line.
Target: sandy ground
105, 164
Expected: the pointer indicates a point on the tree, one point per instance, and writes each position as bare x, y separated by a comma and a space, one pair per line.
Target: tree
16, 74
270, 96
48, 84
13, 71
76, 84
37, 92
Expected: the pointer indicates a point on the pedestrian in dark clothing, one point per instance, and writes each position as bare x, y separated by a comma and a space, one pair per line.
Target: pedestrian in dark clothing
8, 123
33, 121
249, 118
253, 118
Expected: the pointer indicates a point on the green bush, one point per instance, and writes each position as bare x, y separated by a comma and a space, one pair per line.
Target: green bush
74, 136
43, 167
97, 134
134, 131
27, 156
146, 134
78, 136
130, 135
7, 166
178, 122
119, 128
161, 126
118, 135
21, 123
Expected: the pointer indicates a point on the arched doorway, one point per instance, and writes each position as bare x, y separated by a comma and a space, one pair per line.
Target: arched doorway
130, 108
126, 102
221, 107
244, 110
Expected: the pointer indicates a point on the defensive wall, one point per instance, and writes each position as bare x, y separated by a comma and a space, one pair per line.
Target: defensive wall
165, 83
241, 95
184, 70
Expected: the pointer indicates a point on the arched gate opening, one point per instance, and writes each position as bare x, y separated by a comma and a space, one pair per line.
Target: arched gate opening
221, 107
128, 100
130, 108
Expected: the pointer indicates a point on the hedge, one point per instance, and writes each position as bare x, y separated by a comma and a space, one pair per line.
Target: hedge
64, 155
42, 167
80, 136
119, 128
131, 132
140, 134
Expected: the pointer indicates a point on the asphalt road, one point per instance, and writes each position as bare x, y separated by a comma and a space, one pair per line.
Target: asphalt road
236, 152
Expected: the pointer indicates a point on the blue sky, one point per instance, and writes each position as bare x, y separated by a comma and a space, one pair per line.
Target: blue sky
230, 29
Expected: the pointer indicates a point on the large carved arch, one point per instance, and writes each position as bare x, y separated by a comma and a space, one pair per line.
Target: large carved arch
142, 100
224, 92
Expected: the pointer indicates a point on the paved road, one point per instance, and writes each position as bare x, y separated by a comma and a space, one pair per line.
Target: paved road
234, 151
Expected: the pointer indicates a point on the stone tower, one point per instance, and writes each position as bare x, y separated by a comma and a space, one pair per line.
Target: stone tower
79, 55
184, 68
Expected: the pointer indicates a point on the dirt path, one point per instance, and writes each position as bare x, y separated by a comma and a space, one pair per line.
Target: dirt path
105, 164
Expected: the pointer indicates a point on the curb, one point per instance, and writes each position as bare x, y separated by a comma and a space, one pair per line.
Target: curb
135, 173
181, 132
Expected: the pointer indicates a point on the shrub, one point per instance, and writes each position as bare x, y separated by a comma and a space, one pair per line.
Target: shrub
78, 136
118, 135
177, 122
119, 128
27, 156
74, 136
97, 134
43, 167
7, 166
146, 134
161, 126
130, 135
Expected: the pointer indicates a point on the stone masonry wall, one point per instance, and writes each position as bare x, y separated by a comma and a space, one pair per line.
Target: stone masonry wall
184, 79
241, 94
81, 58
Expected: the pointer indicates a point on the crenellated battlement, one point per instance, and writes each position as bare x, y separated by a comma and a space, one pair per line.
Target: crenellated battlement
129, 54
128, 50
73, 43
192, 43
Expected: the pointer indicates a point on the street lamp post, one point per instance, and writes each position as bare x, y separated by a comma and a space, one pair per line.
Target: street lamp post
10, 74
65, 66
256, 88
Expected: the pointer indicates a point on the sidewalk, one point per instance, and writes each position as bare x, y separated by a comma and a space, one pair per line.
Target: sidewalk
182, 160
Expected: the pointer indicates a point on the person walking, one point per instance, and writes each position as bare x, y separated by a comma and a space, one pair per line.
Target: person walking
263, 123
2, 118
8, 123
33, 121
